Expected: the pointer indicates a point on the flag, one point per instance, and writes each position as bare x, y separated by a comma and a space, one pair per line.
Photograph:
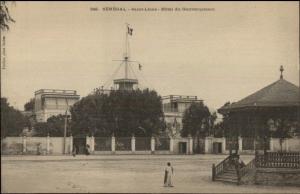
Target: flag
129, 30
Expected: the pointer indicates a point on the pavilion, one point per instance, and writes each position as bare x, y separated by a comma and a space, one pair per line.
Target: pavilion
272, 111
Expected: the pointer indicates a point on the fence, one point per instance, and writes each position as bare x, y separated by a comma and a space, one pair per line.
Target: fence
123, 143
248, 143
162, 144
231, 143
59, 145
102, 144
278, 160
142, 143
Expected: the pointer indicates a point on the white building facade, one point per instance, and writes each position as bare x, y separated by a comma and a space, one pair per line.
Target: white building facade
52, 102
173, 108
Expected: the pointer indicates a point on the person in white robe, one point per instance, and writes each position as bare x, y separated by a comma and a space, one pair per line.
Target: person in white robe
169, 171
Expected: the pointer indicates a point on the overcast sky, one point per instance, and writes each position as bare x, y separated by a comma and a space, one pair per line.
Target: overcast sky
220, 55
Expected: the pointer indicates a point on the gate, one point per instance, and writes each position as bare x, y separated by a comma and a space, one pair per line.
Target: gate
199, 145
79, 143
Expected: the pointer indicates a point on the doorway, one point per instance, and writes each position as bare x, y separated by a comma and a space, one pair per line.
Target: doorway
182, 147
217, 147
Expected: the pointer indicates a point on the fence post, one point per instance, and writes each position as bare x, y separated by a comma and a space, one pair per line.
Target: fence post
92, 141
190, 140
48, 144
113, 144
152, 145
171, 145
71, 144
240, 144
223, 145
213, 172
24, 144
133, 143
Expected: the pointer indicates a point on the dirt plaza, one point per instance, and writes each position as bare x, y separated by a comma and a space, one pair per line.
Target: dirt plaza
119, 173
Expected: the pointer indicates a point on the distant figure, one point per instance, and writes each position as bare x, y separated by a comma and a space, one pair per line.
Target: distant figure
87, 149
74, 151
168, 182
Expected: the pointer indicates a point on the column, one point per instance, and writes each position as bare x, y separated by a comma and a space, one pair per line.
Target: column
113, 144
240, 144
133, 143
207, 142
92, 141
171, 144
223, 145
24, 144
48, 144
71, 143
190, 146
152, 144
271, 144
87, 140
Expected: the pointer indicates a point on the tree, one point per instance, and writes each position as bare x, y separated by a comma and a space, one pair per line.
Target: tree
121, 113
29, 106
53, 127
212, 119
12, 120
5, 17
196, 122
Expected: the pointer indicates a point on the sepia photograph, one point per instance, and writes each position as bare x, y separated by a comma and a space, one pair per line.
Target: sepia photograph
150, 97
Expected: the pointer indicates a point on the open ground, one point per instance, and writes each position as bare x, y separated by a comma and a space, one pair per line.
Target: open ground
119, 173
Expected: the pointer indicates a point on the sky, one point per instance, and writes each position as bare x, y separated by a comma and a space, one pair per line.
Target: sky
223, 54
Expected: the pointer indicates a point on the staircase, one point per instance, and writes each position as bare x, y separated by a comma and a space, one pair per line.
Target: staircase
226, 171
228, 175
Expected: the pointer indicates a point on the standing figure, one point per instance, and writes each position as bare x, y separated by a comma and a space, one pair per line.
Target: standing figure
168, 182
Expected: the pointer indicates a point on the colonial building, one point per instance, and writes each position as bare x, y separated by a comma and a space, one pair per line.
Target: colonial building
173, 108
272, 110
51, 102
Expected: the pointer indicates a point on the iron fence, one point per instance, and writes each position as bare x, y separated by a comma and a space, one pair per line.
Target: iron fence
162, 144
102, 144
142, 143
123, 143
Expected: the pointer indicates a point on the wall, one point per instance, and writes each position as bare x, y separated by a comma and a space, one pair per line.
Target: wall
35, 145
277, 176
12, 145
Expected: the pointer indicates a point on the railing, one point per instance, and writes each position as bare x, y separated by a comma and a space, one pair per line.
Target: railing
278, 160
219, 168
249, 166
57, 91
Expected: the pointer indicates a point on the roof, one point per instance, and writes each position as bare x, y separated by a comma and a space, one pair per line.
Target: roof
278, 94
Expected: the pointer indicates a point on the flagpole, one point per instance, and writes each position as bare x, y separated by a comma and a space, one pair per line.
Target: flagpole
126, 51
